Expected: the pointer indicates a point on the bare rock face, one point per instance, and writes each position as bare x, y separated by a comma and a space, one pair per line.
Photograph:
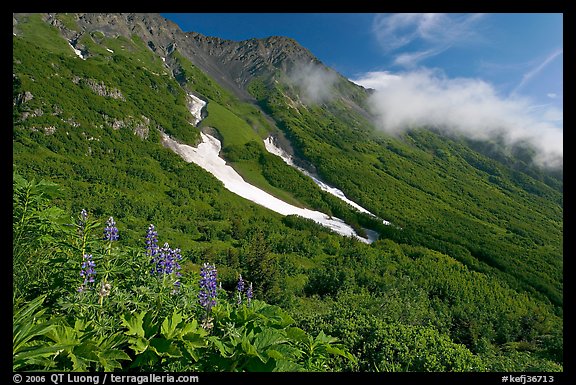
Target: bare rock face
23, 97
101, 89
247, 59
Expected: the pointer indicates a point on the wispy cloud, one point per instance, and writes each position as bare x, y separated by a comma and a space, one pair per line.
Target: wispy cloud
433, 33
467, 106
412, 59
314, 81
536, 69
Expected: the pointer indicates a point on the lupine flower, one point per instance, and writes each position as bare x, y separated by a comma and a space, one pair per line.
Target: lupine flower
87, 271
249, 293
207, 294
165, 261
151, 241
240, 289
110, 231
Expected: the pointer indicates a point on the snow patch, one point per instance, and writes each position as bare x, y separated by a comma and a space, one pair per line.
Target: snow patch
196, 108
77, 51
272, 148
206, 156
109, 50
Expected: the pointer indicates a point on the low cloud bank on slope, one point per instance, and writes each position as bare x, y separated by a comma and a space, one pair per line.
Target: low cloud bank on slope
315, 82
472, 107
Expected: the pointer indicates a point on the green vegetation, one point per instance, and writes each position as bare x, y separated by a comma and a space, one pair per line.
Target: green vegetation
444, 195
470, 281
129, 318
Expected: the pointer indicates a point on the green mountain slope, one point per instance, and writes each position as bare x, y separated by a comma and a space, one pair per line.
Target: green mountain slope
441, 192
469, 275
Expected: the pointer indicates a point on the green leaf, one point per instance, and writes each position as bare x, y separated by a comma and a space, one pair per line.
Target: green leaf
169, 327
323, 338
145, 360
26, 357
287, 366
267, 338
297, 334
165, 348
87, 350
109, 359
194, 340
64, 334
340, 352
275, 354
134, 324
248, 348
79, 364
224, 351
138, 344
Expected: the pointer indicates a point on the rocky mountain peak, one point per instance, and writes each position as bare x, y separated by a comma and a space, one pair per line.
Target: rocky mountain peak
247, 59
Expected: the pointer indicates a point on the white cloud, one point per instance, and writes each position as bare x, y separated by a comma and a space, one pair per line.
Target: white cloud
552, 95
462, 105
315, 82
411, 59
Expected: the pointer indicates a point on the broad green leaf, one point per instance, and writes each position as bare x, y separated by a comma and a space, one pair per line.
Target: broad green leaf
169, 327
79, 364
28, 356
297, 334
109, 359
145, 360
323, 338
287, 366
248, 348
224, 351
340, 352
87, 350
267, 338
194, 340
63, 334
139, 344
275, 354
134, 324
165, 348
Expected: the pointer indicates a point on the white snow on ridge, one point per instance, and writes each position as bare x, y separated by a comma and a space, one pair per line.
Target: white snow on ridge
77, 51
196, 108
272, 148
206, 156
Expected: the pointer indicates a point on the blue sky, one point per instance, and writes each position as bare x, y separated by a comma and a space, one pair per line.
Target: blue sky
513, 63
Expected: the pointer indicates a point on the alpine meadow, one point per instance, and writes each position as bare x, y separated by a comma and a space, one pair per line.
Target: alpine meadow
185, 203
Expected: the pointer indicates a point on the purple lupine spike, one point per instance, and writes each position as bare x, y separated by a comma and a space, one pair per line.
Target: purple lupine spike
240, 289
249, 293
151, 241
110, 231
164, 259
87, 271
207, 294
